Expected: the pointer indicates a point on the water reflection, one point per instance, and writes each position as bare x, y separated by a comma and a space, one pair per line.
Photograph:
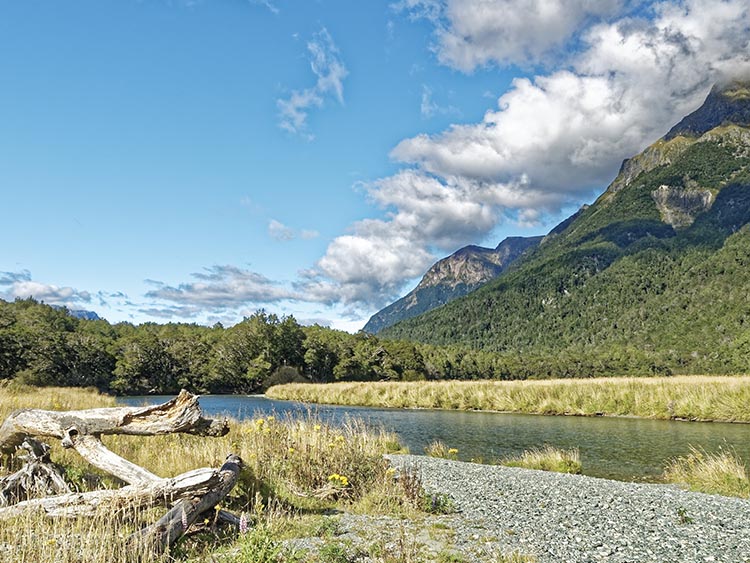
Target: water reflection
615, 448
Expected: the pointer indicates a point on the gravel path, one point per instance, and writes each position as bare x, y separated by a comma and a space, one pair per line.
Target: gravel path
572, 518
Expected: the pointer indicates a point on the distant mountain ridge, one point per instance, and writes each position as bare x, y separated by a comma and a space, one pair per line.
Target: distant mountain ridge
450, 278
79, 313
655, 273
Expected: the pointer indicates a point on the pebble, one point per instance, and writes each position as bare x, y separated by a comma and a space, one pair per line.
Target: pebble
579, 519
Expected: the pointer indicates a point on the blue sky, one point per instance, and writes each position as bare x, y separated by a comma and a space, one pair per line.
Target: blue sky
177, 160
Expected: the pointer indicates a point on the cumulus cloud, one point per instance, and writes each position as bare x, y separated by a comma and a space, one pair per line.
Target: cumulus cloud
423, 213
21, 285
326, 64
567, 132
472, 33
221, 287
552, 140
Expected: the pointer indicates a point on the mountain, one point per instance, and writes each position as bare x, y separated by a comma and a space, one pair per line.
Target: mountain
657, 269
85, 315
450, 278
79, 313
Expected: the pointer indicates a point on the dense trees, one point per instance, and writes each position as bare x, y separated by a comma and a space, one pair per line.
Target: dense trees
42, 345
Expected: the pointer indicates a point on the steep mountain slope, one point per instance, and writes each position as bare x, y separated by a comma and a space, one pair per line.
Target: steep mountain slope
450, 278
658, 265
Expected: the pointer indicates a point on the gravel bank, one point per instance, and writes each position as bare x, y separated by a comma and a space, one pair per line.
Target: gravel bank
577, 519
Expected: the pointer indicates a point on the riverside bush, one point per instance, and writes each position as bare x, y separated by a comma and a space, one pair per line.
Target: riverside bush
721, 473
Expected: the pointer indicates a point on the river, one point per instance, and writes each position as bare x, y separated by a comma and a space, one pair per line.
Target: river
627, 449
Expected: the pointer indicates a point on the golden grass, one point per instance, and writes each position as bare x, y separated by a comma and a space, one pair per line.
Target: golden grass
14, 396
682, 397
547, 458
721, 473
291, 464
439, 449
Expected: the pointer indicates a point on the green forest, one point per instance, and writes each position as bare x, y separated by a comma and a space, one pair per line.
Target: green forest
43, 345
619, 285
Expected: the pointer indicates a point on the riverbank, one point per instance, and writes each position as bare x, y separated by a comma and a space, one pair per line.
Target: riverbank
697, 398
560, 517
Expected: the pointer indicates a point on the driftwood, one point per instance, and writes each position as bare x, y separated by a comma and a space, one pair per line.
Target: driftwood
38, 476
191, 493
185, 512
181, 414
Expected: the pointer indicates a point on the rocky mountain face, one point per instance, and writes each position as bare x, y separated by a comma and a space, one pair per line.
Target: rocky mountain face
450, 278
658, 265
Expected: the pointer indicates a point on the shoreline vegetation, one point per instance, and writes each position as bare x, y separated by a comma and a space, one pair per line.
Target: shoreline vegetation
691, 398
296, 471
305, 481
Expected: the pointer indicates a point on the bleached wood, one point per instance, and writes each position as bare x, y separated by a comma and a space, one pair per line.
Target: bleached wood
181, 414
170, 527
162, 491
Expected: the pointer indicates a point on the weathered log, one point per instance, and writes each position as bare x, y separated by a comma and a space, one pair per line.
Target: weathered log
38, 476
163, 491
195, 491
181, 414
97, 454
170, 527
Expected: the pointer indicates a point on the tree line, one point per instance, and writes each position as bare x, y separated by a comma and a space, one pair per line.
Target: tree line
43, 346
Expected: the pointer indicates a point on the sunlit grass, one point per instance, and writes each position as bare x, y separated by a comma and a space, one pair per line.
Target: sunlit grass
721, 473
293, 466
681, 397
547, 458
439, 449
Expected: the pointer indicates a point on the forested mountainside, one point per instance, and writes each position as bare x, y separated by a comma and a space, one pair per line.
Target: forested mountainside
450, 278
660, 263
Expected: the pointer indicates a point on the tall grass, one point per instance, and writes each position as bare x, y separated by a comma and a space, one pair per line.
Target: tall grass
680, 397
721, 473
294, 465
547, 458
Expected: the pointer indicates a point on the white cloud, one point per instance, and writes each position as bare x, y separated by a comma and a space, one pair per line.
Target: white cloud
429, 107
423, 213
222, 287
20, 285
330, 71
308, 234
279, 231
472, 33
552, 141
567, 132
271, 7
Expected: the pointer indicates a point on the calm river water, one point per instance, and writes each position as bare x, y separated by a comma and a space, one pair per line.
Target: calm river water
616, 448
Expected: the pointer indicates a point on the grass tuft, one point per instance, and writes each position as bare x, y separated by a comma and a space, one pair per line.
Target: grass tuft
547, 458
721, 473
439, 449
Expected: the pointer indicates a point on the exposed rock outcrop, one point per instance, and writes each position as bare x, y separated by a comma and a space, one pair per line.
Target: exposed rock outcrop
450, 278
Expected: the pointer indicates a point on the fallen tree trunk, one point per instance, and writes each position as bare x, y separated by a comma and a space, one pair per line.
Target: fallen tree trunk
38, 476
181, 414
185, 512
162, 491
194, 492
